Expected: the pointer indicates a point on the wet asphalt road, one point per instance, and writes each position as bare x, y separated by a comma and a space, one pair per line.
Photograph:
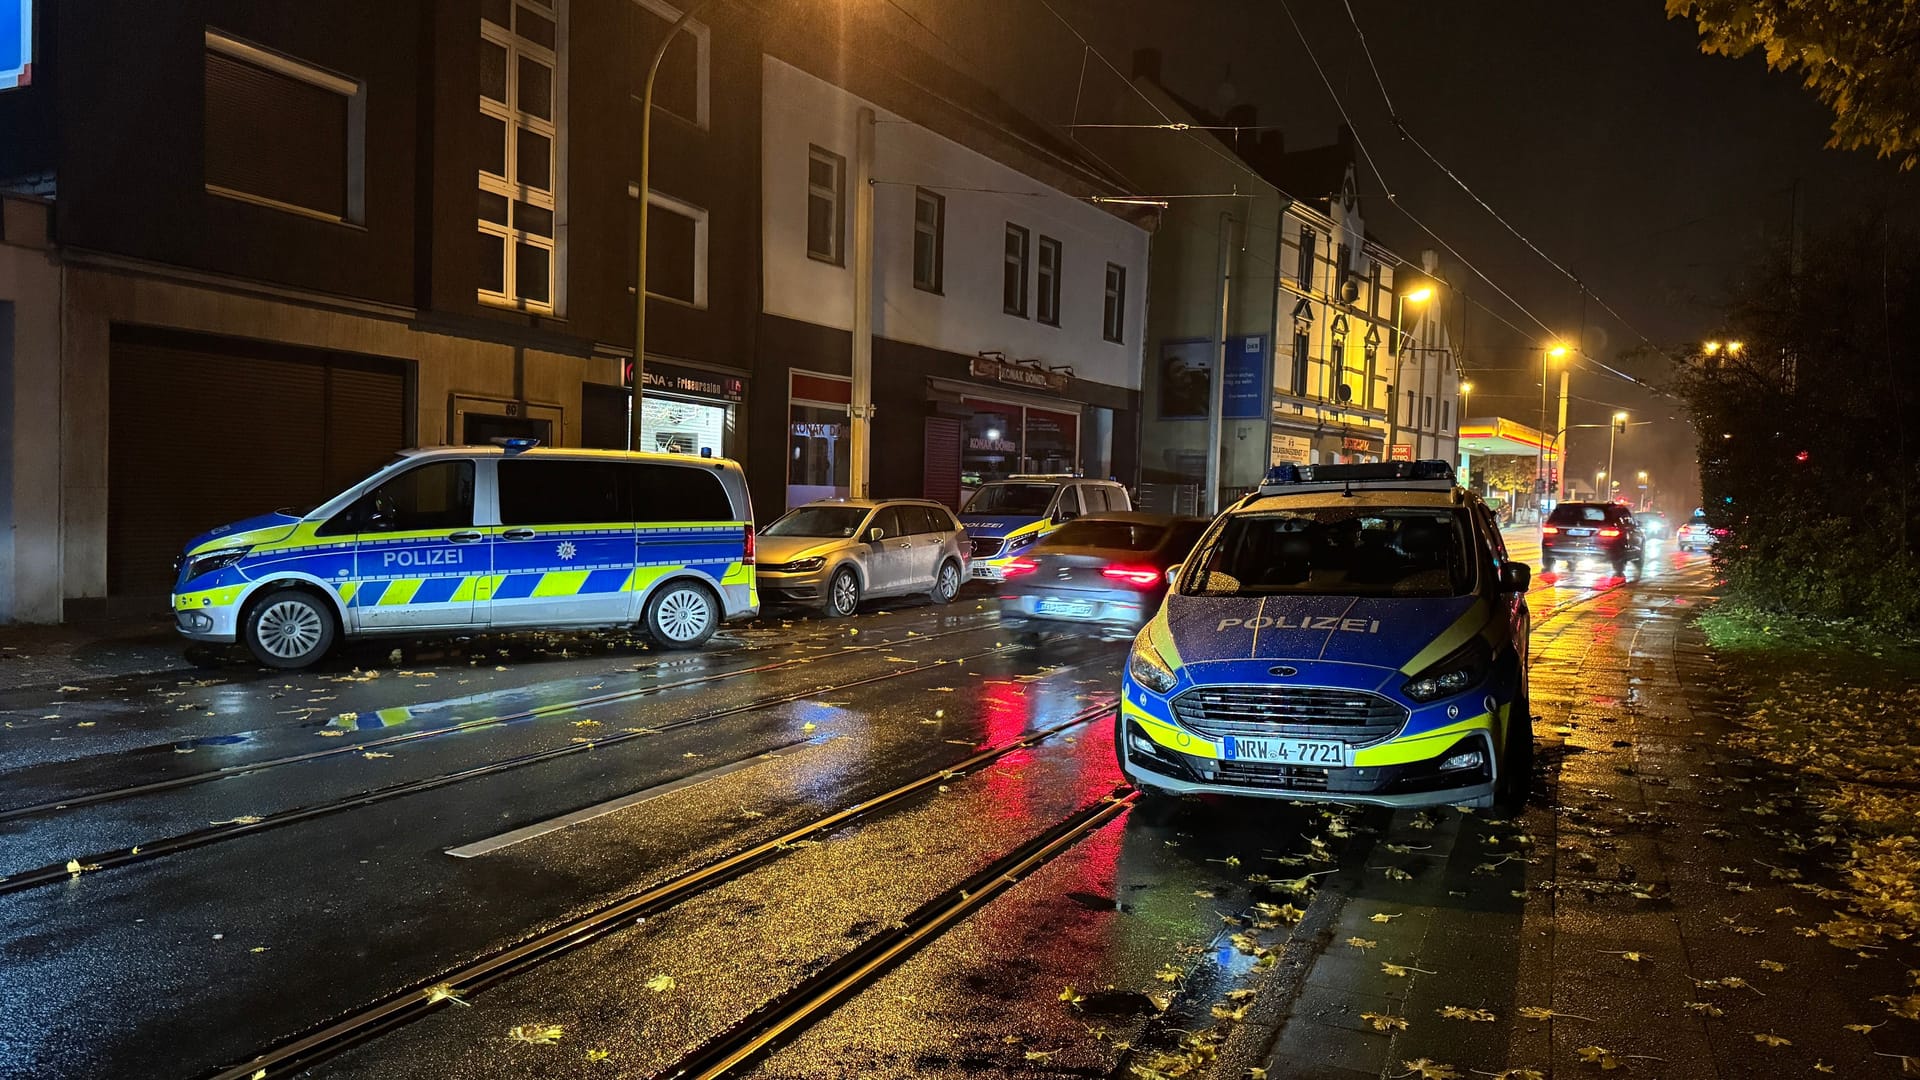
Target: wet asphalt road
1167, 921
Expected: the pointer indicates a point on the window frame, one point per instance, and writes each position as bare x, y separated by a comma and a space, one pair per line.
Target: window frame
1047, 282
510, 185
1113, 310
354, 203
1309, 241
1302, 364
657, 201
936, 238
1015, 269
838, 196
702, 36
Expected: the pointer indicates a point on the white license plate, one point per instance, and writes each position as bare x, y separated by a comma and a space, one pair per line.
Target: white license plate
1066, 609
987, 572
1579, 532
1285, 751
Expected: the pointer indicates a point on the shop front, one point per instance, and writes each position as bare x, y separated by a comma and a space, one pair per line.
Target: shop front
819, 448
1009, 420
688, 410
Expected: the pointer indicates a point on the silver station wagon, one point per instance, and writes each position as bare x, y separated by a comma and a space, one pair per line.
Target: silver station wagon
835, 553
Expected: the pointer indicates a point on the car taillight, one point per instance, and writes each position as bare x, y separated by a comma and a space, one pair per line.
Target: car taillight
1141, 577
1609, 533
746, 558
1021, 566
1719, 532
1550, 530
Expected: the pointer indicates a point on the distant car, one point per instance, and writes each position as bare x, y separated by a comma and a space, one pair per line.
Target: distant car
1652, 522
1697, 535
1104, 573
1005, 517
1601, 531
837, 552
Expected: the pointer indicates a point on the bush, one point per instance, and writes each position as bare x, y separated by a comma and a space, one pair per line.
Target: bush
1824, 568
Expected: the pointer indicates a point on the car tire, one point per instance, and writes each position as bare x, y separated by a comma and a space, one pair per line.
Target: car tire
1030, 638
682, 615
946, 583
1516, 764
843, 593
288, 629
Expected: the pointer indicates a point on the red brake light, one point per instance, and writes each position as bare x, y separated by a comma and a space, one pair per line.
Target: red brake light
1021, 566
1719, 532
1138, 576
1609, 533
746, 558
1550, 530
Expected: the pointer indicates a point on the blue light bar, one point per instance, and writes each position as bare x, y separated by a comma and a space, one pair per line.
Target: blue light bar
514, 446
1287, 473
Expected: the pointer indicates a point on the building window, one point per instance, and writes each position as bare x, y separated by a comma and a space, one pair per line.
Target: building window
520, 205
1426, 412
1342, 266
1300, 362
1373, 290
283, 134
1307, 242
929, 239
1408, 421
1013, 275
1113, 317
676, 249
826, 206
1446, 416
1049, 282
681, 86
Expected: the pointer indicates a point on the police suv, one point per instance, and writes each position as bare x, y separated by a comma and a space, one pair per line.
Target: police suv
1005, 517
475, 538
1353, 633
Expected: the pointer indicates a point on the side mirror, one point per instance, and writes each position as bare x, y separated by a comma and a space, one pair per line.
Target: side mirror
1515, 577
1173, 573
876, 534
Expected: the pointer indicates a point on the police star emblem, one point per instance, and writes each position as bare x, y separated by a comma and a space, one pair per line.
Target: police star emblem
567, 550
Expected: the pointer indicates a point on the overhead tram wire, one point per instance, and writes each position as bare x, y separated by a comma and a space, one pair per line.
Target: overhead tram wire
1400, 126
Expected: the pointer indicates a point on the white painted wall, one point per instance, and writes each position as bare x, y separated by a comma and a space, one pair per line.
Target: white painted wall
799, 110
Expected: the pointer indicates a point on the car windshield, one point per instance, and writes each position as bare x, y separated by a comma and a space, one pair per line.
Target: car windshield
1576, 513
1338, 551
835, 521
1011, 499
1119, 535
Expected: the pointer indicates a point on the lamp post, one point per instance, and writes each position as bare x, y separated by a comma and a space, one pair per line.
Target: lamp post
1547, 357
1619, 425
640, 243
1599, 475
1397, 346
1644, 489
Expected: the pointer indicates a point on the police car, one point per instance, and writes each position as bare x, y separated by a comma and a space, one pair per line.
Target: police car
1353, 633
1004, 518
475, 538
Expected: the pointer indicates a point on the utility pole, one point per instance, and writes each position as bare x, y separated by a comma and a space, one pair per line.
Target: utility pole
860, 413
640, 241
1217, 385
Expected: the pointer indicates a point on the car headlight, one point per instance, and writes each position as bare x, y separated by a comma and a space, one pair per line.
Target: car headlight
215, 560
1021, 543
1148, 668
806, 566
1459, 670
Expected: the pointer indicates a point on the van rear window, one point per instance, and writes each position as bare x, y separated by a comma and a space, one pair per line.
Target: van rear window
537, 491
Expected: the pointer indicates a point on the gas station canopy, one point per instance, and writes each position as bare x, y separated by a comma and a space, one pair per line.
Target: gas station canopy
1498, 435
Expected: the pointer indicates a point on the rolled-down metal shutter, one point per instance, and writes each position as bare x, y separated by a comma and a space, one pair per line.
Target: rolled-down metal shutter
204, 432
940, 469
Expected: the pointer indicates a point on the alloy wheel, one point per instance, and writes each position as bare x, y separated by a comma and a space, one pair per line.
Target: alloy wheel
290, 629
684, 614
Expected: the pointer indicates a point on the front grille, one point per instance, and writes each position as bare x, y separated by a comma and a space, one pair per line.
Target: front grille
1268, 775
986, 547
1308, 712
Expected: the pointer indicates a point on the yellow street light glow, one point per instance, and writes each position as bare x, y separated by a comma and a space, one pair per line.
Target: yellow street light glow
1466, 388
1710, 347
1619, 416
1557, 351
1734, 347
1643, 474
1420, 295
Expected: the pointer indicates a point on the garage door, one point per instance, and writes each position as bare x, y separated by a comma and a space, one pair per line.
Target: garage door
205, 431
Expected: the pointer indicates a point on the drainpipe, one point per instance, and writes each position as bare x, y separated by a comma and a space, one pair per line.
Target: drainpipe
860, 413
1217, 386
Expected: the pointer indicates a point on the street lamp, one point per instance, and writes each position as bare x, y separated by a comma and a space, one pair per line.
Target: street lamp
1547, 357
1645, 491
640, 242
1599, 475
1398, 348
1619, 425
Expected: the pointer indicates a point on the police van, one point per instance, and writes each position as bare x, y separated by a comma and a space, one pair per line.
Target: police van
483, 538
1352, 633
1006, 517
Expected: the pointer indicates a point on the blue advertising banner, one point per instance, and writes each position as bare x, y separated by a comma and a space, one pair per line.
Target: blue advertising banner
1186, 375
16, 43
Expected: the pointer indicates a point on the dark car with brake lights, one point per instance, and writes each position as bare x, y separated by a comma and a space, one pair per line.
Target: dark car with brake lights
1349, 633
1602, 532
1104, 573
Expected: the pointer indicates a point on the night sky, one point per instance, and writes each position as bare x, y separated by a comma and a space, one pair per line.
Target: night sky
1650, 170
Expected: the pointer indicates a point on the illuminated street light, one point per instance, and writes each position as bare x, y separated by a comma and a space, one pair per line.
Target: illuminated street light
1734, 347
1420, 295
1710, 347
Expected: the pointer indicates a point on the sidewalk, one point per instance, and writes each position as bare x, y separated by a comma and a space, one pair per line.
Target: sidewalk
73, 653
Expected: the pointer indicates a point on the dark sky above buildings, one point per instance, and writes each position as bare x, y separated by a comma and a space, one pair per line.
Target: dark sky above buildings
1599, 130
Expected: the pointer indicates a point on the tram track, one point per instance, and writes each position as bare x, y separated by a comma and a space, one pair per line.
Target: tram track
162, 847
788, 1013
106, 795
